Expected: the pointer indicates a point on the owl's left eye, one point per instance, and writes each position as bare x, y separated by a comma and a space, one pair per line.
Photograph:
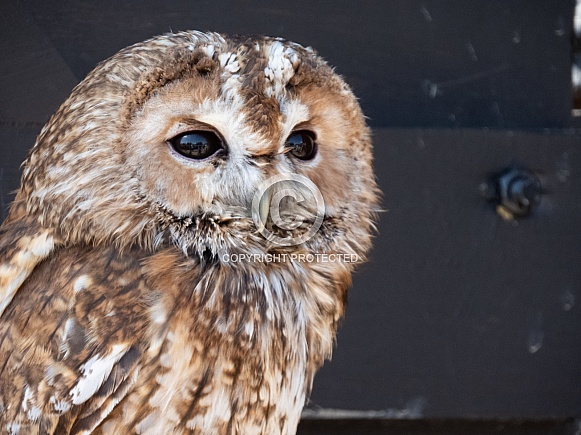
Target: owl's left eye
302, 145
197, 145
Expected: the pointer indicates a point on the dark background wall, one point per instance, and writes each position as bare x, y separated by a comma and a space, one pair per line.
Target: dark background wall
458, 63
461, 314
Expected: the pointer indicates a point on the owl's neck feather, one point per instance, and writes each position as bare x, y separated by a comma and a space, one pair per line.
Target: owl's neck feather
272, 324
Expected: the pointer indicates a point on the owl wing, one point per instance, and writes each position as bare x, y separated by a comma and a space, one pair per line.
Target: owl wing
22, 246
70, 341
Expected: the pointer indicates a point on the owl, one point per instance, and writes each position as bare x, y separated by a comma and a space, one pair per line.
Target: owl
146, 283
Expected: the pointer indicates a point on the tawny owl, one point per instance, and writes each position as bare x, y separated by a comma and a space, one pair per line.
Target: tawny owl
143, 287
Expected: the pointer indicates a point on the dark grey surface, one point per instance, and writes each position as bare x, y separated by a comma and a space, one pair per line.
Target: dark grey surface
461, 313
444, 320
495, 63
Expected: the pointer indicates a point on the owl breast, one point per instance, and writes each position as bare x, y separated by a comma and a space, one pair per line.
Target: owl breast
216, 388
224, 360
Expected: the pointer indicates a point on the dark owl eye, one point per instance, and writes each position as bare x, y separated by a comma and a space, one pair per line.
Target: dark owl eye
302, 145
197, 145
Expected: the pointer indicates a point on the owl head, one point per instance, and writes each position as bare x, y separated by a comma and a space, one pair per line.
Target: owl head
170, 140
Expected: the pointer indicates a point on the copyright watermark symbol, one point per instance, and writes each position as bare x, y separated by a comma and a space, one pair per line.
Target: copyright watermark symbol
288, 209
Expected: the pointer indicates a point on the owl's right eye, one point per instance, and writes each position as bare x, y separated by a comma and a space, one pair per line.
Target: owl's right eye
197, 145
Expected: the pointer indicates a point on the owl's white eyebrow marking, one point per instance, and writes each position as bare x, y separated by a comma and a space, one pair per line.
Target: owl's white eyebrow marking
95, 371
294, 112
